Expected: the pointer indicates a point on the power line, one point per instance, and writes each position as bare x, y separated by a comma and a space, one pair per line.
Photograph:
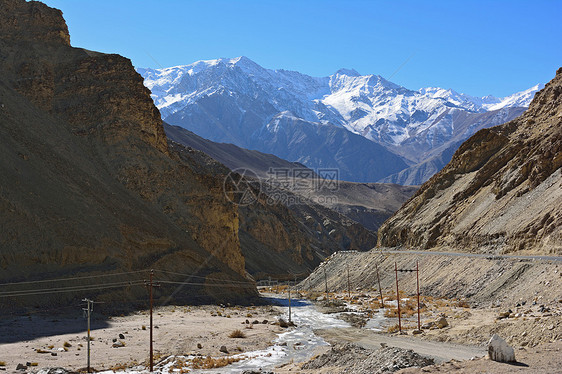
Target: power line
73, 278
197, 276
205, 284
68, 289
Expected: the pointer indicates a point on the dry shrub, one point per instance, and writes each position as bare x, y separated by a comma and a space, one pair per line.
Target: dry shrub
391, 313
392, 328
67, 345
237, 334
120, 367
2, 363
179, 363
213, 363
409, 308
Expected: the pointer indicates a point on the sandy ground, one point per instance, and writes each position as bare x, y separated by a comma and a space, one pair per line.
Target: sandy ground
545, 359
534, 332
178, 330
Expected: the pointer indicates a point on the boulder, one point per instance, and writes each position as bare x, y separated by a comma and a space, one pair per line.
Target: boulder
428, 325
499, 350
441, 323
503, 315
223, 349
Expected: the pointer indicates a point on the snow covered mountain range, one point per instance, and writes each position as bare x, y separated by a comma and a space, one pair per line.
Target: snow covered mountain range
369, 128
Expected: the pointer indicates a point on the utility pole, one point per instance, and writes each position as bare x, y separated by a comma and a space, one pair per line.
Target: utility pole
89, 308
397, 296
326, 282
418, 287
151, 284
348, 286
289, 302
379, 281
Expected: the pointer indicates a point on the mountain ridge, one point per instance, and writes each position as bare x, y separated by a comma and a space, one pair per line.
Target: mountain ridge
237, 101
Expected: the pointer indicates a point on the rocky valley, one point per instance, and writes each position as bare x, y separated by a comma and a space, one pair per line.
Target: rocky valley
91, 184
223, 217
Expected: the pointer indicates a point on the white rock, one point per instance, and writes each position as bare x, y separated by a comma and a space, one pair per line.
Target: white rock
499, 350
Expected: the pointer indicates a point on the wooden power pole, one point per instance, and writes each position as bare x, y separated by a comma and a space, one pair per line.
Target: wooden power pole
289, 302
348, 285
89, 308
326, 283
151, 284
379, 282
397, 296
418, 287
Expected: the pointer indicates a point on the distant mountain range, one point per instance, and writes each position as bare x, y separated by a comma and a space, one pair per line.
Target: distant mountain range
366, 126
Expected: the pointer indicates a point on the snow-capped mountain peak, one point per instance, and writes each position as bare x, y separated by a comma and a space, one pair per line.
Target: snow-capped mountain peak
237, 100
348, 72
365, 104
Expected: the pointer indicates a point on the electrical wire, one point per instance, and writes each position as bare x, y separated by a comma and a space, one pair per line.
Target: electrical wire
196, 276
204, 284
69, 289
73, 278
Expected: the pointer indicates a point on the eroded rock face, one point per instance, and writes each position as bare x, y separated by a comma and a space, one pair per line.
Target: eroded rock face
32, 22
88, 182
501, 192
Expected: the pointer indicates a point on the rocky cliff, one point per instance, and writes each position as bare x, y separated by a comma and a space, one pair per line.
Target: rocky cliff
501, 192
88, 183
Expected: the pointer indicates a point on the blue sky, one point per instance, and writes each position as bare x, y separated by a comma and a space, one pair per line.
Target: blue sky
475, 47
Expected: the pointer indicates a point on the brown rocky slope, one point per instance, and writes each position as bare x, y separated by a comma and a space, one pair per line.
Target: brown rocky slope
88, 184
501, 192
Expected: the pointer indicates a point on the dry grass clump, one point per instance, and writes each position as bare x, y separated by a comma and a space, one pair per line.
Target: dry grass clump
393, 328
67, 345
463, 304
213, 363
2, 363
407, 309
239, 334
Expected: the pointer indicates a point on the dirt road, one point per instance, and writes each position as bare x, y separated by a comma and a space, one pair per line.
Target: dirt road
370, 339
468, 254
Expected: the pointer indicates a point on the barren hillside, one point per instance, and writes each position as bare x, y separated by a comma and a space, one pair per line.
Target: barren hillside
501, 192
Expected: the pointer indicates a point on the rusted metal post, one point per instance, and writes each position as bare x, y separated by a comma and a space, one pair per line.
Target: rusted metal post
380, 289
348, 285
397, 297
289, 302
326, 282
418, 286
150, 292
